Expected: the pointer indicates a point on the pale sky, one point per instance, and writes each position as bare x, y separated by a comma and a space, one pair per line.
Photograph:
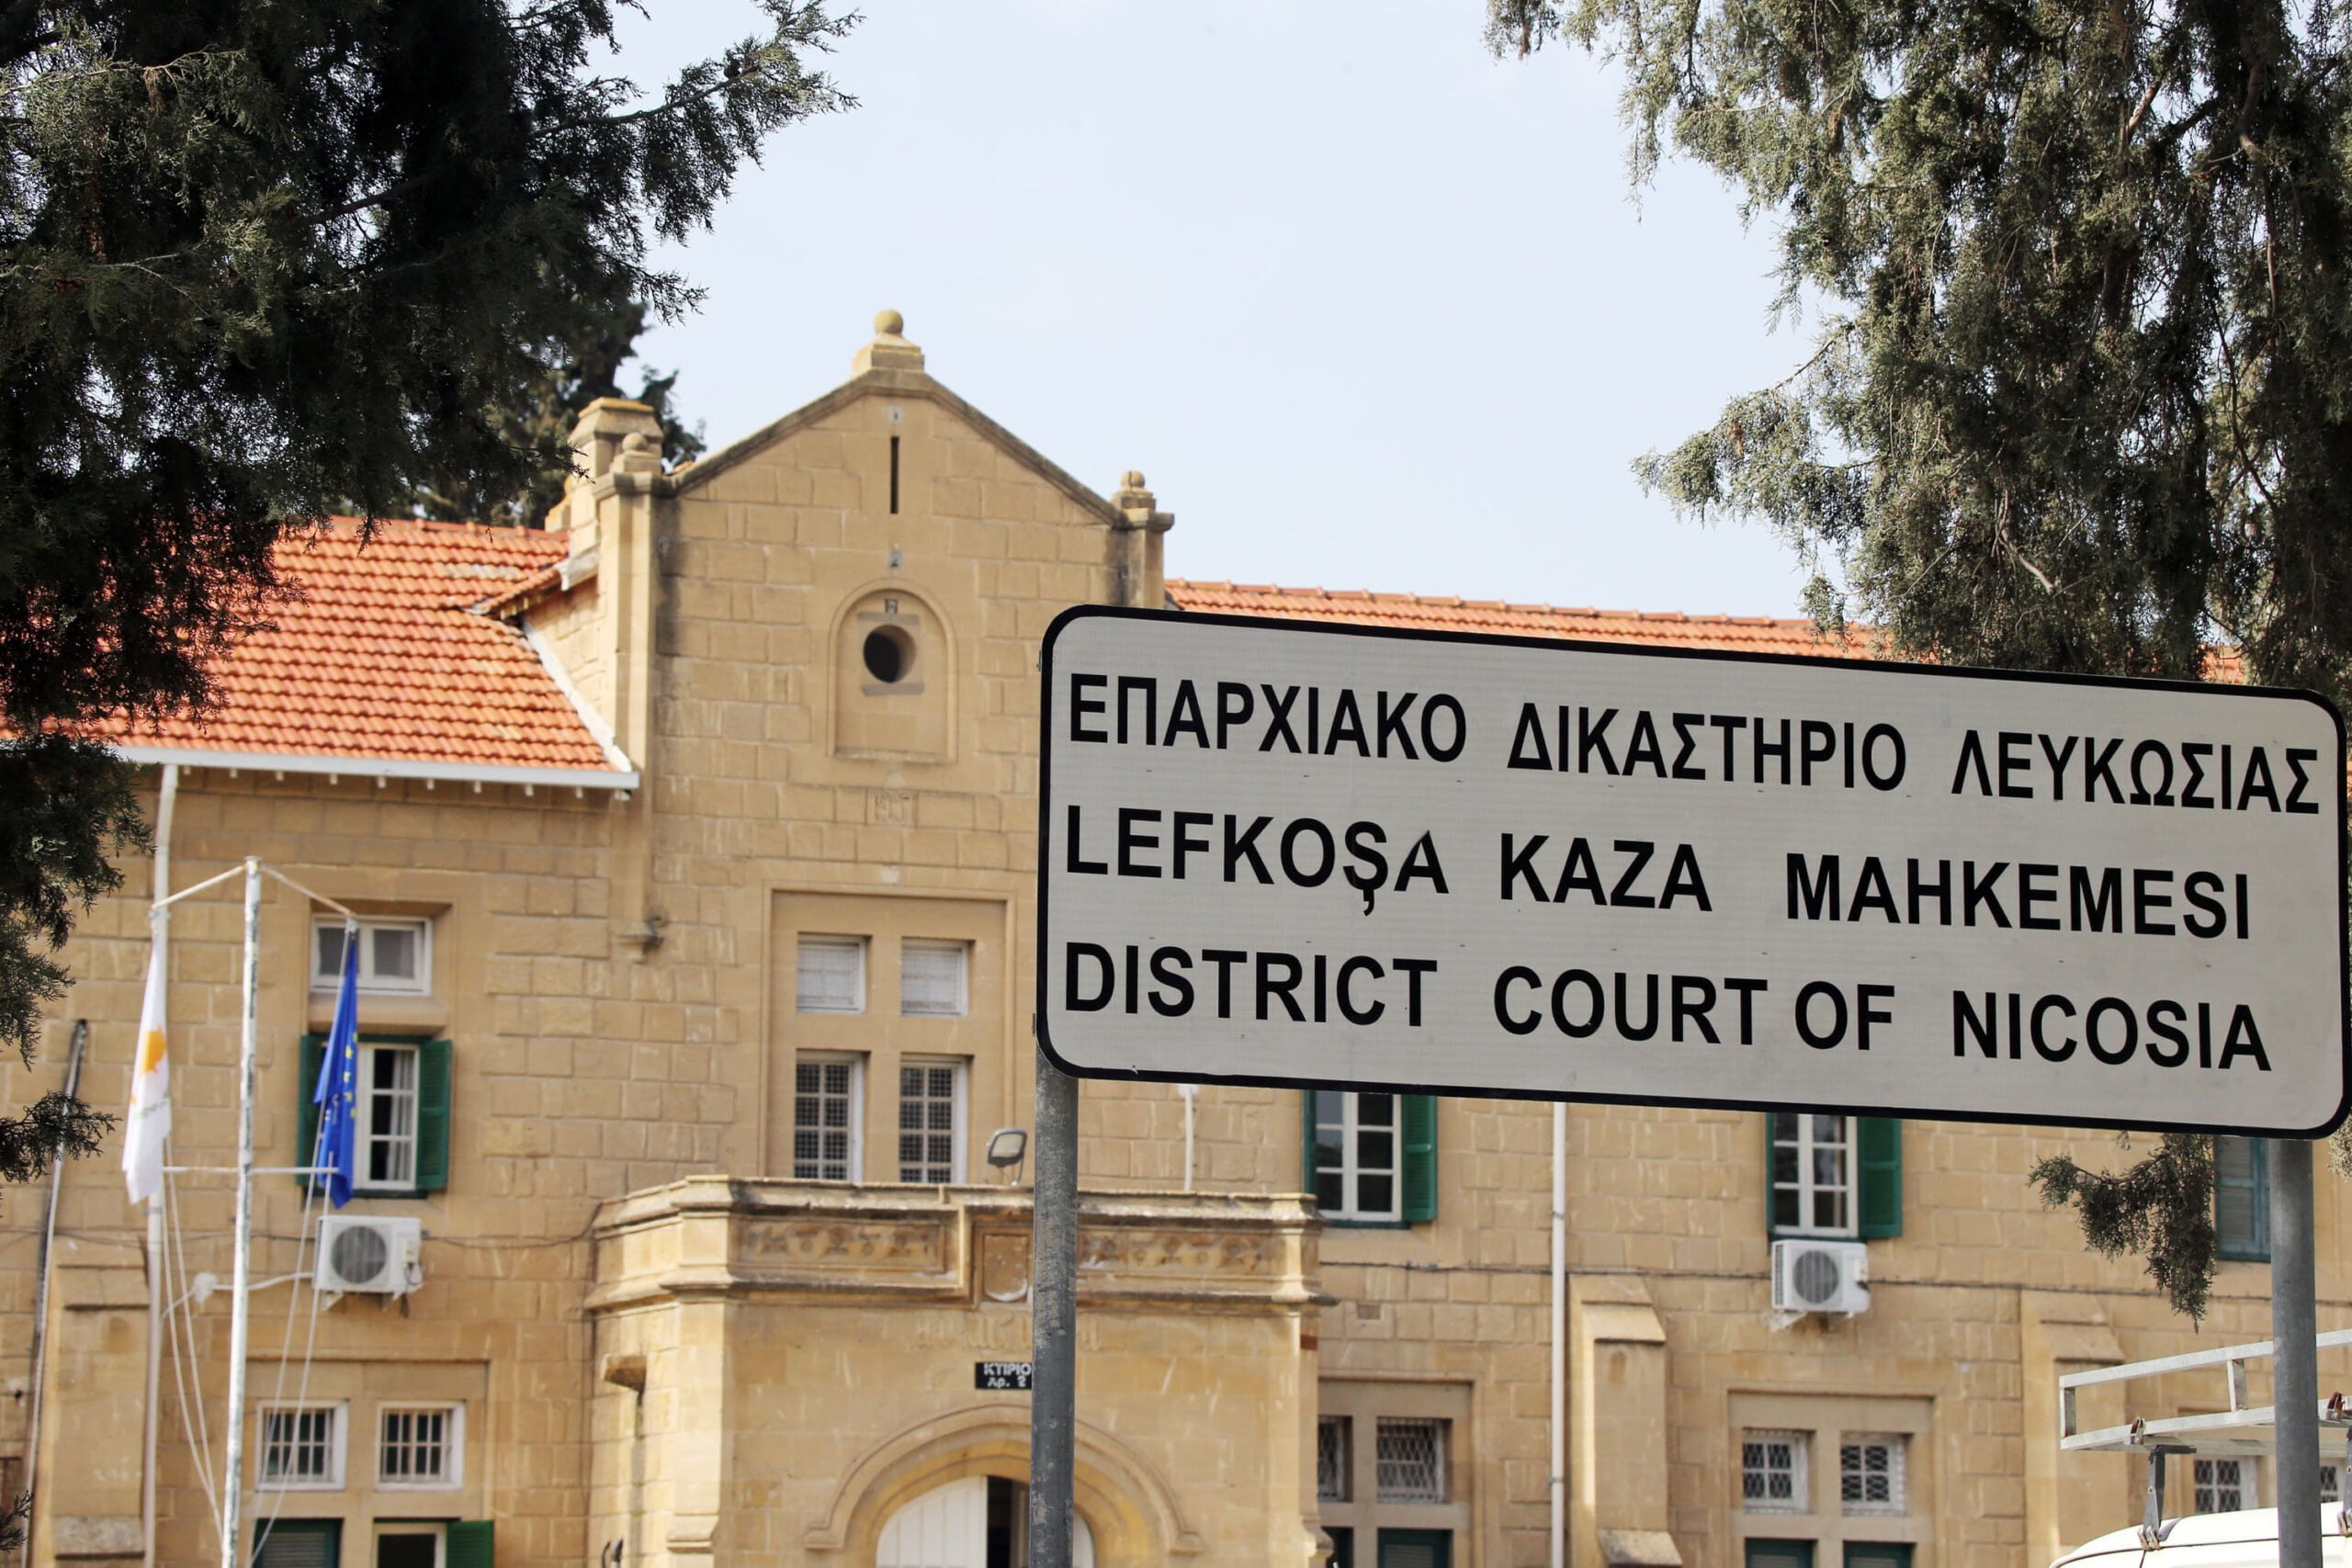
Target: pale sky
1368, 307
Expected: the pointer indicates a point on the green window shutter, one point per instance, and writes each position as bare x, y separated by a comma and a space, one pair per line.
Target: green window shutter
1420, 1157
306, 1115
1878, 1164
433, 1134
469, 1544
2241, 1200
1778, 1553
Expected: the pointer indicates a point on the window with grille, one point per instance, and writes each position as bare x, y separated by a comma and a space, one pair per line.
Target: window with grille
301, 1447
419, 1446
825, 1119
2222, 1485
1869, 1474
1773, 1472
1408, 1458
1813, 1174
1331, 1458
395, 956
930, 1120
387, 1154
935, 979
831, 975
1357, 1151
2330, 1483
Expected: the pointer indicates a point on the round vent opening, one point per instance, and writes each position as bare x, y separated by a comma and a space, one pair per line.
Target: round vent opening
1814, 1276
890, 654
359, 1254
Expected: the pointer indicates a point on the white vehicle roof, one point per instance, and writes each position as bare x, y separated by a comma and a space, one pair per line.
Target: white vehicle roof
2241, 1539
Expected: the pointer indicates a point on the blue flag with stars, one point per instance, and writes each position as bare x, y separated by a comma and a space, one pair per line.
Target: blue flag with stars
337, 1094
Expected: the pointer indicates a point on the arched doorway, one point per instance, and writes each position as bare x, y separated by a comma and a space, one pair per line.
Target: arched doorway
980, 1521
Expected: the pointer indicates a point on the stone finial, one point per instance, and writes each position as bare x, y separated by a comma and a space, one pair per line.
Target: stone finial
889, 350
604, 431
1132, 497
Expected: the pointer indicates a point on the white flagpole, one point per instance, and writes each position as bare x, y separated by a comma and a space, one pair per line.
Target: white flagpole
239, 1309
166, 796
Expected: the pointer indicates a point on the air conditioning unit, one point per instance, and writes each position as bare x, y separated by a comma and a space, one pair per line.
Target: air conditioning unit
370, 1256
1820, 1276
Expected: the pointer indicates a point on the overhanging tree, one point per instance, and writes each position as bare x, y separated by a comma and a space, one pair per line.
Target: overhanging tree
2081, 396
567, 374
260, 261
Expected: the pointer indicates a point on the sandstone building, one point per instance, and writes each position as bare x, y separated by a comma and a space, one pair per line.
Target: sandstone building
693, 841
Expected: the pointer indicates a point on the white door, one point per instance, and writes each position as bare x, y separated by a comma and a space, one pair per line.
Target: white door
946, 1529
949, 1528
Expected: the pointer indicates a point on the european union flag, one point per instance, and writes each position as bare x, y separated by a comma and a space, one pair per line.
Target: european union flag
337, 1094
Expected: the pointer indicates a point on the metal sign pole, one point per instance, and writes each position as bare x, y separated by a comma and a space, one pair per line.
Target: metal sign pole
1053, 1296
2295, 1373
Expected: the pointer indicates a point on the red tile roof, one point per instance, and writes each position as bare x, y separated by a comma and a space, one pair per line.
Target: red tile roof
383, 657
1738, 634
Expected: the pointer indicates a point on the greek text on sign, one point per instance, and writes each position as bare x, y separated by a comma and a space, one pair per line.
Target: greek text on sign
1283, 853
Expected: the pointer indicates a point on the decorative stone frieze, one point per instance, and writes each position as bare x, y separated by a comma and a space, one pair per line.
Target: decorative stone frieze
710, 1234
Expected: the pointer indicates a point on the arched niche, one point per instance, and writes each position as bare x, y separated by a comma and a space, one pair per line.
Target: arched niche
1130, 1509
893, 676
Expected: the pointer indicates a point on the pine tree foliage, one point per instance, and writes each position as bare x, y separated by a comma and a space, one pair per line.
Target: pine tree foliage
2081, 394
265, 259
2160, 1209
567, 375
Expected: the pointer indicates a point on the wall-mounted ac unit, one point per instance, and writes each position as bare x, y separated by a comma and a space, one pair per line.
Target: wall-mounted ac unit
370, 1255
1820, 1276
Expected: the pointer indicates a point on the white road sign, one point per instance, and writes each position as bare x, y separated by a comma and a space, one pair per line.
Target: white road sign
1284, 853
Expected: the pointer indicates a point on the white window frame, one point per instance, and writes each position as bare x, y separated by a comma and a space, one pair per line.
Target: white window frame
961, 1092
453, 1446
434, 1527
1352, 1171
1807, 1186
830, 942
963, 952
1800, 1445
857, 1065
323, 978
362, 1138
339, 1449
1895, 1503
1442, 1442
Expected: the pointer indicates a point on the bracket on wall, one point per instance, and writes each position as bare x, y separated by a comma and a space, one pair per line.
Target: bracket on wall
645, 936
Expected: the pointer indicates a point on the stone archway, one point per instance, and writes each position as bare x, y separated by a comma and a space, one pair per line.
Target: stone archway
1132, 1512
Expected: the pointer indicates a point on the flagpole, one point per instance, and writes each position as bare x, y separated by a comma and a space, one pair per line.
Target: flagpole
241, 1280
159, 917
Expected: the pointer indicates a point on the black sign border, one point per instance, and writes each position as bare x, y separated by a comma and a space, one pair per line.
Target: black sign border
1078, 613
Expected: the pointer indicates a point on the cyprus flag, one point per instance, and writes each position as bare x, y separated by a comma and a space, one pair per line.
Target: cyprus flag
150, 1121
